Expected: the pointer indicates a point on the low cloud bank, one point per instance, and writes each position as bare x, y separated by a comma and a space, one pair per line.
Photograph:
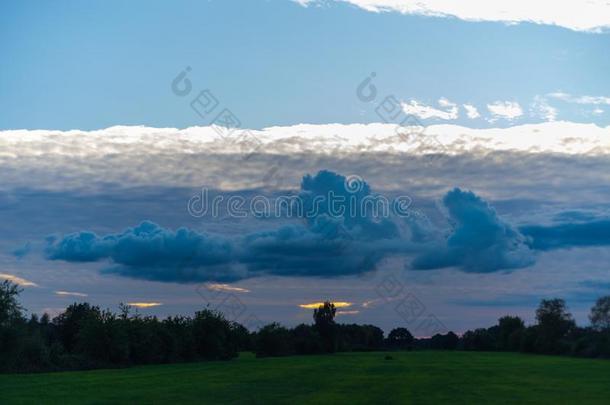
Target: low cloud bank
330, 244
479, 242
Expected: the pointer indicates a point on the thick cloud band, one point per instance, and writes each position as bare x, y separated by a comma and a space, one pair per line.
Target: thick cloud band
480, 241
567, 235
329, 245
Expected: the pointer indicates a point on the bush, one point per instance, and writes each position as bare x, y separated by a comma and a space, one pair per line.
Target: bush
273, 340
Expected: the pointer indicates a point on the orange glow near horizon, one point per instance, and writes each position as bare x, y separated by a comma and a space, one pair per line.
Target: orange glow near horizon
316, 305
144, 304
17, 280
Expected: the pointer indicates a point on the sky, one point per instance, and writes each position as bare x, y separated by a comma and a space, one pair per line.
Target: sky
144, 147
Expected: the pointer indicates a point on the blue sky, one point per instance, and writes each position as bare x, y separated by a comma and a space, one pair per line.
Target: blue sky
89, 66
503, 158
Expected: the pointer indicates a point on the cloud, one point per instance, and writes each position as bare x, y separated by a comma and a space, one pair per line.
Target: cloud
318, 304
324, 243
480, 241
17, 280
151, 252
449, 111
471, 111
587, 100
340, 239
22, 251
350, 312
591, 15
343, 202
575, 216
226, 288
145, 304
70, 294
508, 110
294, 250
541, 108
596, 284
332, 245
138, 157
568, 235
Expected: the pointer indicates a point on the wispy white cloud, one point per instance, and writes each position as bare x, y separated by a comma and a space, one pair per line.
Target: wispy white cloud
351, 312
17, 280
471, 111
375, 302
145, 157
541, 108
508, 110
590, 100
70, 294
577, 15
318, 304
226, 288
449, 109
144, 304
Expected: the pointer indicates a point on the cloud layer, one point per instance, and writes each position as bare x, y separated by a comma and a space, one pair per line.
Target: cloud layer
332, 245
324, 245
591, 15
594, 232
480, 241
150, 251
505, 109
142, 156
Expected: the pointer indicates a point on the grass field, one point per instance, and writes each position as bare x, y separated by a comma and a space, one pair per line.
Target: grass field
410, 377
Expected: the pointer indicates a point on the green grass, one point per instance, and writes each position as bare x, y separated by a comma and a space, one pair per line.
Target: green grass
410, 377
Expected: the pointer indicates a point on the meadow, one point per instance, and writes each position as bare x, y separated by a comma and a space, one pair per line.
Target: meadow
417, 377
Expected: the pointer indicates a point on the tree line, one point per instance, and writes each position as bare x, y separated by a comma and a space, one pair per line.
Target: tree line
85, 336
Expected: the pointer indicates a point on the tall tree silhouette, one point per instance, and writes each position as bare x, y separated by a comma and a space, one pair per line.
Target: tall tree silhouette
324, 318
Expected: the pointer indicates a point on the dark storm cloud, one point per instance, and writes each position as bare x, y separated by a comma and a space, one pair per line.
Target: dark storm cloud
319, 245
353, 195
568, 235
479, 242
325, 250
322, 245
151, 252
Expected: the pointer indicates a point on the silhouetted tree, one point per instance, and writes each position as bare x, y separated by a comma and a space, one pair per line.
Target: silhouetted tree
324, 318
102, 339
213, 335
510, 329
554, 323
480, 339
273, 340
10, 310
600, 314
358, 337
400, 338
307, 340
84, 336
70, 322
